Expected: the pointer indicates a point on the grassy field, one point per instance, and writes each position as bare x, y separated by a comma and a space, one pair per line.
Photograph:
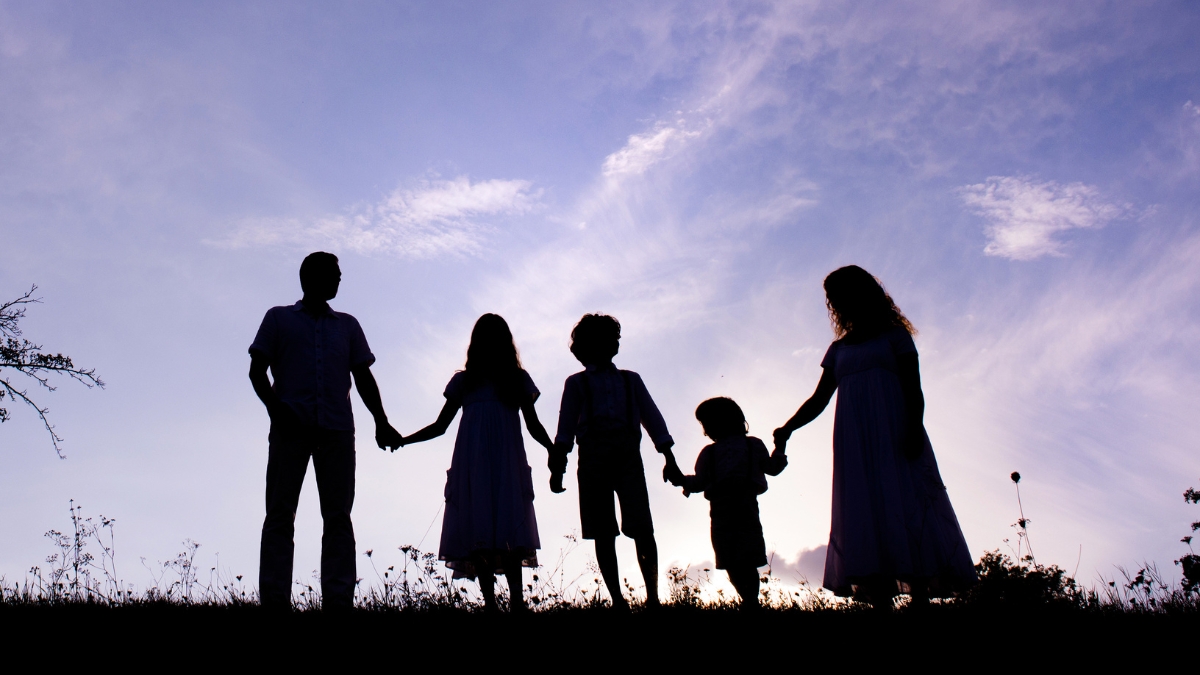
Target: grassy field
1019, 614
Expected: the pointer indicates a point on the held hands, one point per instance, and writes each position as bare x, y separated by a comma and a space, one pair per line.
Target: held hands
779, 460
781, 436
557, 463
671, 468
386, 436
671, 471
673, 474
780, 447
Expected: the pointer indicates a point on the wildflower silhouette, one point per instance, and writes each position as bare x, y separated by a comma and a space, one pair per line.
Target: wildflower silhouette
1190, 562
1022, 522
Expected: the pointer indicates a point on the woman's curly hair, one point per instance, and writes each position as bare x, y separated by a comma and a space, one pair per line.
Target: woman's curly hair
858, 303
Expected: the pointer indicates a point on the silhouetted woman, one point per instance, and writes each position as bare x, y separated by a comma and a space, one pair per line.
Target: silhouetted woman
893, 528
489, 525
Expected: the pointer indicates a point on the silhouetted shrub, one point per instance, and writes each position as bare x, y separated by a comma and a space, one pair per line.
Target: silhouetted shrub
1023, 583
1190, 562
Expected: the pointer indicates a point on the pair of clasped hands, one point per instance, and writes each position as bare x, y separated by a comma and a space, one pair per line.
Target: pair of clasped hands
387, 438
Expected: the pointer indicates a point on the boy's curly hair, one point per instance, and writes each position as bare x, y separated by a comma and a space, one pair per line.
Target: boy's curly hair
596, 338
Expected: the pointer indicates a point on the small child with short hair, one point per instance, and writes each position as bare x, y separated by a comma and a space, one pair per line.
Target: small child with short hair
731, 472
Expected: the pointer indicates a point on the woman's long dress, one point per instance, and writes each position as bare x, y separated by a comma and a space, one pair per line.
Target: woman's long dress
489, 487
892, 517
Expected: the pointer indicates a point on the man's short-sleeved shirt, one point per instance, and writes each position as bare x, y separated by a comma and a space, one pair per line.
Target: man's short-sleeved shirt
311, 359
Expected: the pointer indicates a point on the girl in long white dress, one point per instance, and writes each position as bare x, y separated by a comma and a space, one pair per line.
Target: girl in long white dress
893, 529
489, 525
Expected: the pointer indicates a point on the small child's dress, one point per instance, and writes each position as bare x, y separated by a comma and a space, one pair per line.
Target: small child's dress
732, 474
489, 487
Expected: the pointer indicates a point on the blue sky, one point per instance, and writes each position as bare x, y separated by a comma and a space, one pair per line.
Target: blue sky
1022, 177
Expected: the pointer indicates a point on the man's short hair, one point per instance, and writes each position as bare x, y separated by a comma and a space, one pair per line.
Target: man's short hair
596, 338
316, 264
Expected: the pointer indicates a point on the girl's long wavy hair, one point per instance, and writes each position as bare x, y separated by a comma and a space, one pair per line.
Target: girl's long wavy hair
492, 358
858, 304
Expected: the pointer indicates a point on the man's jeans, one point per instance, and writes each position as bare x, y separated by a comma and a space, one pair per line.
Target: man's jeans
332, 453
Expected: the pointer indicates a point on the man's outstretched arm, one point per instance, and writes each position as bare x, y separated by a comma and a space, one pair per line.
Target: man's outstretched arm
368, 389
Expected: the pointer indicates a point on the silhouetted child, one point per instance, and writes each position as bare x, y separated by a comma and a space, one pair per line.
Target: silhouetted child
730, 473
604, 408
489, 524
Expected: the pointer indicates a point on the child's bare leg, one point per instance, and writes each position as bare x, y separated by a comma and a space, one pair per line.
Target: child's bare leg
647, 553
745, 580
606, 558
487, 587
512, 572
487, 583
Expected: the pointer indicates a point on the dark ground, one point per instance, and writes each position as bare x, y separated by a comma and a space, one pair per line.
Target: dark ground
939, 639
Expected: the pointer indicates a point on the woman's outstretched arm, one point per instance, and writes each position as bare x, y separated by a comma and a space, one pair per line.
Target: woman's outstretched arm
808, 412
535, 426
908, 368
437, 428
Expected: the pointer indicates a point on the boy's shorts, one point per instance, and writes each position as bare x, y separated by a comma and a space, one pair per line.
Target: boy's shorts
607, 468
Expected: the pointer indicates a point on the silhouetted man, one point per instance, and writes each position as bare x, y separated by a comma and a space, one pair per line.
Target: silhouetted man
312, 352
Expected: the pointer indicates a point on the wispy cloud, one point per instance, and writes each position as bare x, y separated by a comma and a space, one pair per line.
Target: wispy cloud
1024, 216
438, 217
644, 150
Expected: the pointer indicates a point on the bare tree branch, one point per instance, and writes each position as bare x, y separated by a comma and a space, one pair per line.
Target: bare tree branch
14, 394
27, 358
9, 317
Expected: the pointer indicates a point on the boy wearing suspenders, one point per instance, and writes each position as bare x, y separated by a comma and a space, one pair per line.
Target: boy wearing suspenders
604, 409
